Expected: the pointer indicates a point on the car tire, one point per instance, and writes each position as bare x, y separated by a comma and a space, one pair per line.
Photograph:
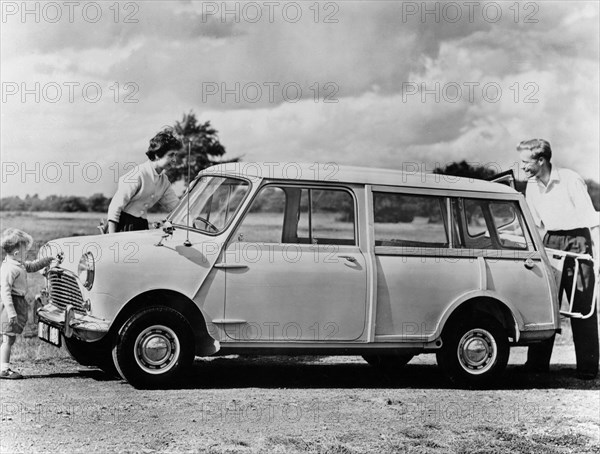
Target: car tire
154, 348
474, 353
97, 354
389, 363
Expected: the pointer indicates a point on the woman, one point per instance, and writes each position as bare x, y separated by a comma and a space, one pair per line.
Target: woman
144, 186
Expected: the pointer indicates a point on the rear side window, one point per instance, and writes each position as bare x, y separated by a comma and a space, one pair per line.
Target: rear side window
408, 220
489, 224
509, 225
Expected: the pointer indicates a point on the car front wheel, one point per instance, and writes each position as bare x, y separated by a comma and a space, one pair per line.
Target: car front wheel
154, 348
474, 353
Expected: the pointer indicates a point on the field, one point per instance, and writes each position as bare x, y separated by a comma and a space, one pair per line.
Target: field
333, 405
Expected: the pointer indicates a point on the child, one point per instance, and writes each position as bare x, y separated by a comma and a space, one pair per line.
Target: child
13, 286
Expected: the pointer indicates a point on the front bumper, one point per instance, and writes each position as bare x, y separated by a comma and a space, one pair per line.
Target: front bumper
74, 324
62, 306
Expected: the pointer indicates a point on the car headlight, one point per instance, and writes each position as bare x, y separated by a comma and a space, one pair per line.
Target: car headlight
86, 270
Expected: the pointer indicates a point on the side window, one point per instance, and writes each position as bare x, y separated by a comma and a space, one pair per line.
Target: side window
263, 222
509, 225
490, 224
476, 225
326, 216
407, 220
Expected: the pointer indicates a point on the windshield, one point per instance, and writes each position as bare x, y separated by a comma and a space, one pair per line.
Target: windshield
213, 203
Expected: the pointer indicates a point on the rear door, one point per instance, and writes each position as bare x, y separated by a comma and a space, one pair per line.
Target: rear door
434, 248
417, 278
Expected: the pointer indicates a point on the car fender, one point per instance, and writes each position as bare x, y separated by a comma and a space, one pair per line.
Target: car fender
517, 319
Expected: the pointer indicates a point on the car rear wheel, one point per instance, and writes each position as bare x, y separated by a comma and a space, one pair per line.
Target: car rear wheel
97, 354
154, 347
474, 353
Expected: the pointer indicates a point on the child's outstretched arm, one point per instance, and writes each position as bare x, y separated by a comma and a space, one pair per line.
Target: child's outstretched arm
37, 265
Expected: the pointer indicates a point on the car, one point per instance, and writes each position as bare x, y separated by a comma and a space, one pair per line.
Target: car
309, 259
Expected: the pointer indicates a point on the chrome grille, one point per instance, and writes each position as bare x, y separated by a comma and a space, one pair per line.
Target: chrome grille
63, 289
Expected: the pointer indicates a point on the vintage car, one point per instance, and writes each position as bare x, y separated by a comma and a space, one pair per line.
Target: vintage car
309, 259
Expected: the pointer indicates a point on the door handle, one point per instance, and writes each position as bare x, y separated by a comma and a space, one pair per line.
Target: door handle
348, 257
230, 266
529, 264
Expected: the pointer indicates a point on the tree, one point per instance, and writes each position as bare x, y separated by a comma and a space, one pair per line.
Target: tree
98, 203
13, 203
72, 204
205, 148
466, 170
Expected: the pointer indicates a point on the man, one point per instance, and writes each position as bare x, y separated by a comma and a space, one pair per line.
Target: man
562, 207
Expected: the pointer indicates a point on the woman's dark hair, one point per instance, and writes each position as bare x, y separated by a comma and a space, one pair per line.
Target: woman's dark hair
161, 144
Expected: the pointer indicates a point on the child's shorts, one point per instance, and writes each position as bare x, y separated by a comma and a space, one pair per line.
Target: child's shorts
22, 308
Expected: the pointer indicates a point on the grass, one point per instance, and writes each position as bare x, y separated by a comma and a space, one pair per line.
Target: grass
32, 349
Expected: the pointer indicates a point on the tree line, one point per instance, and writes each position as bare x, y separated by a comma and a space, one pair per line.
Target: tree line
99, 202
69, 204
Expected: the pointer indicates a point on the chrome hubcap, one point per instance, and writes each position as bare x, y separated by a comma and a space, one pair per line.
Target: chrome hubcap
477, 351
157, 349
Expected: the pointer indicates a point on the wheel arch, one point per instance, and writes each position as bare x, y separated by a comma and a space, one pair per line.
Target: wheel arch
471, 305
204, 343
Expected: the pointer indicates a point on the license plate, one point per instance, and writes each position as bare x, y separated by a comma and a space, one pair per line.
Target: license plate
49, 334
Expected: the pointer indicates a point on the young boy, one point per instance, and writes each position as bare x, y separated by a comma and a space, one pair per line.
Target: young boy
13, 286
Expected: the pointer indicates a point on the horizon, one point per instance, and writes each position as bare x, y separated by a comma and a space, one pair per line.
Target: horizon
407, 167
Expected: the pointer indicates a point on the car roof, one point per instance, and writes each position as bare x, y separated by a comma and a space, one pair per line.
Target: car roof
335, 173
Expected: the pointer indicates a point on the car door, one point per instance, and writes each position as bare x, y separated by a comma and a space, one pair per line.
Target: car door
514, 268
416, 279
294, 271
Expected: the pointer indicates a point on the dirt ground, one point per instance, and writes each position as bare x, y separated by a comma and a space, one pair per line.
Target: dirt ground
309, 404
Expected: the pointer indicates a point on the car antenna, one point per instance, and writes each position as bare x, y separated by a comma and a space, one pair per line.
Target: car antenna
187, 241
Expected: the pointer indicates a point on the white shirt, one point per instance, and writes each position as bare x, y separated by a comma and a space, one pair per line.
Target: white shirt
139, 190
564, 204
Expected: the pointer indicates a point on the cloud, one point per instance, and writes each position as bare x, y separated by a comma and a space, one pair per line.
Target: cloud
373, 57
96, 25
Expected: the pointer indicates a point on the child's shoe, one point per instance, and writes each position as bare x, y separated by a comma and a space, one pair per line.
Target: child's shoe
10, 375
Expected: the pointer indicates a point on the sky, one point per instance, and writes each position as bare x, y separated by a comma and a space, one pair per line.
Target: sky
398, 85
